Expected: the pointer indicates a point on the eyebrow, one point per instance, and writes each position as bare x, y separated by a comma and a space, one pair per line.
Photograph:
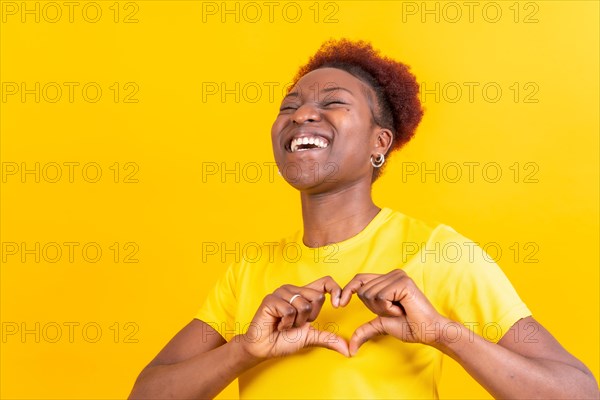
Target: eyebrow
325, 90
332, 89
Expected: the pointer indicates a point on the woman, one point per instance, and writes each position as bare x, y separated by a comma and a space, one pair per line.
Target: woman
267, 322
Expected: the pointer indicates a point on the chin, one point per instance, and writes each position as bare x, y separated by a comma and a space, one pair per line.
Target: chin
306, 174
303, 183
310, 185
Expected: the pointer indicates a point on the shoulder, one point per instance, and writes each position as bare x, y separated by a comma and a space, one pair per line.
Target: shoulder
417, 234
436, 244
441, 258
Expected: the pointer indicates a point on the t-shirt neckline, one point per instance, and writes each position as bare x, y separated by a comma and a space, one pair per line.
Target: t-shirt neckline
322, 251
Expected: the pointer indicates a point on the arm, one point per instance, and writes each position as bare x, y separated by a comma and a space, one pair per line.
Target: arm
537, 369
196, 363
513, 368
199, 363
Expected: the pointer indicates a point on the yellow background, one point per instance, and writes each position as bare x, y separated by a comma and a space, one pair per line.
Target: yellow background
171, 135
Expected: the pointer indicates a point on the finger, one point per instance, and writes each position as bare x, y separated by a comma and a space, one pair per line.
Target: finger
365, 332
316, 298
282, 310
303, 307
308, 303
304, 310
328, 340
312, 295
381, 281
326, 284
383, 297
352, 287
372, 287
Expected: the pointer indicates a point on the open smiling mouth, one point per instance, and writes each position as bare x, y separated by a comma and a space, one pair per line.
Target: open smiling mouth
305, 143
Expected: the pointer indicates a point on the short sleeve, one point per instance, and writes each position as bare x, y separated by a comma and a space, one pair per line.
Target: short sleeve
475, 291
487, 303
219, 308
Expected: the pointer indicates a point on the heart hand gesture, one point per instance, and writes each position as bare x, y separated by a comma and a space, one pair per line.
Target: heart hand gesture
281, 325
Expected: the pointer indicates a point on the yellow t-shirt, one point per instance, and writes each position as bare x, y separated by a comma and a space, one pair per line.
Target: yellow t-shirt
461, 281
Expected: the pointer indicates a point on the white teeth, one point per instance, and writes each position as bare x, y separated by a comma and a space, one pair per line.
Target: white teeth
317, 141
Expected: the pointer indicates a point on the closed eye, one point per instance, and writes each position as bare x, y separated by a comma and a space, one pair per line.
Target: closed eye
285, 108
328, 103
324, 104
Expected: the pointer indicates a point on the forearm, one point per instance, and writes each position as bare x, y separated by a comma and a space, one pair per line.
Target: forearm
199, 377
506, 374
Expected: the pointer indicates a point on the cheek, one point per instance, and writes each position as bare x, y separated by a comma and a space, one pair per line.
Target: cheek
275, 129
357, 132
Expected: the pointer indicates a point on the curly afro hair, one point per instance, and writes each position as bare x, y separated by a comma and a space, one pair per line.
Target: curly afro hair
398, 106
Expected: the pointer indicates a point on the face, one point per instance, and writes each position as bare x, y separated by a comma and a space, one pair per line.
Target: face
324, 134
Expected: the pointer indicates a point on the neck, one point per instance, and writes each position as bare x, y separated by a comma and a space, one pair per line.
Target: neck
334, 217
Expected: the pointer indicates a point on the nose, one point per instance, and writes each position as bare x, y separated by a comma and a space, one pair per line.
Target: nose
306, 113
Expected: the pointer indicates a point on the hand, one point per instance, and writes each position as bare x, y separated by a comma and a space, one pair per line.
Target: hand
403, 310
280, 328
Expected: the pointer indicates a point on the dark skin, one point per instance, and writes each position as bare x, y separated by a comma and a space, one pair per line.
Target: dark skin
342, 114
199, 363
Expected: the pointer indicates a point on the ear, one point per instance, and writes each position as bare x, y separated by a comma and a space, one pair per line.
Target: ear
383, 140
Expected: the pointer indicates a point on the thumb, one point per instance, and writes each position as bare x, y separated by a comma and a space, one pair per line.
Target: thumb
364, 333
328, 340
